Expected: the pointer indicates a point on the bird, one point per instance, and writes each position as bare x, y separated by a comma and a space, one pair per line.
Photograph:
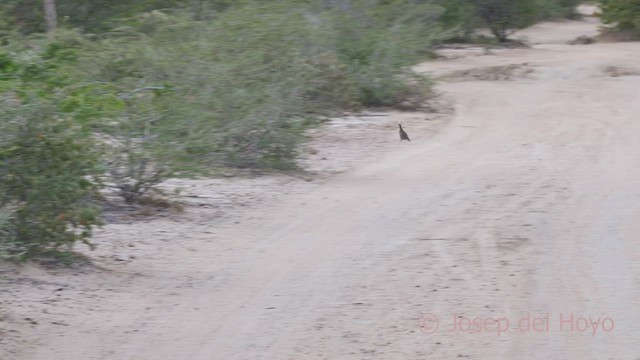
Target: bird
403, 134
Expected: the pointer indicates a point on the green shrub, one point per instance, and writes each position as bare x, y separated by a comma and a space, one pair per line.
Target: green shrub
7, 231
240, 89
46, 168
623, 14
460, 16
179, 94
557, 9
132, 171
504, 17
377, 48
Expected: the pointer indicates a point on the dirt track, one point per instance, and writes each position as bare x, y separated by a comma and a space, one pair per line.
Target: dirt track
526, 202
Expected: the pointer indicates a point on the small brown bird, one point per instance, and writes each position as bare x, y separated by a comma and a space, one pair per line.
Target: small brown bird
403, 134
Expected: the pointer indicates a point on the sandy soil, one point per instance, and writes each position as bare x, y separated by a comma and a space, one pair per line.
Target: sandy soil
517, 218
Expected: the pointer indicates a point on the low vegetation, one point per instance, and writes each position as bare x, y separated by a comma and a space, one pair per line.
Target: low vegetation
126, 94
502, 18
623, 15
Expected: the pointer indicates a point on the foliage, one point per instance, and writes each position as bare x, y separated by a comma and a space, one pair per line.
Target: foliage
501, 17
88, 15
239, 91
377, 46
129, 93
624, 14
200, 86
7, 232
461, 16
48, 161
557, 9
45, 178
134, 173
504, 17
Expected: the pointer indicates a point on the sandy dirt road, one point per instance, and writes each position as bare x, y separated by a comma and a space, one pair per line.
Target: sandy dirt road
518, 219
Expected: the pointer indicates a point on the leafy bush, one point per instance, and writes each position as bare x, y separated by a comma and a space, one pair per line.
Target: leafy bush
46, 165
183, 91
239, 90
623, 14
557, 9
133, 172
461, 18
7, 232
376, 48
504, 17
501, 17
